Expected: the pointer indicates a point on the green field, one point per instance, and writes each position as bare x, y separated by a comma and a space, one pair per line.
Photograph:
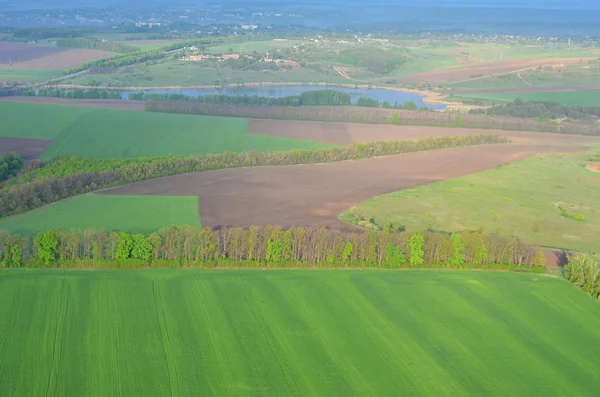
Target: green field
522, 198
134, 214
295, 333
109, 133
29, 75
575, 98
250, 46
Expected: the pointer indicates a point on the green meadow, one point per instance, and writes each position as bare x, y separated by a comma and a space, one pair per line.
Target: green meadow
295, 333
110, 133
550, 200
134, 214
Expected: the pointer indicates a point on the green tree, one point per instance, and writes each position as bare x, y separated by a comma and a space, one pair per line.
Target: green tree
417, 254
347, 254
46, 244
141, 248
458, 251
481, 255
539, 259
124, 246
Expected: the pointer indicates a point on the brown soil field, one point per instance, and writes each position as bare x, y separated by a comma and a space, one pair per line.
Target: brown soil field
314, 195
484, 69
349, 133
30, 57
13, 53
90, 103
29, 149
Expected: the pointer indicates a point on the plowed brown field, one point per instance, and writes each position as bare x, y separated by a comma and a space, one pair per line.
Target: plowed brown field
31, 57
315, 195
484, 69
29, 149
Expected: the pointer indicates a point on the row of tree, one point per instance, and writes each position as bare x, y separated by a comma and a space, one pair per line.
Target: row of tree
72, 93
64, 177
10, 165
373, 115
309, 98
540, 109
268, 246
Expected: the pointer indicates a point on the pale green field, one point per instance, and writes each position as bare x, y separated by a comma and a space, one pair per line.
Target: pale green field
184, 332
135, 214
575, 98
250, 46
521, 199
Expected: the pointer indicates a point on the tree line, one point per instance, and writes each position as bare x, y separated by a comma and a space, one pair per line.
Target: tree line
540, 109
268, 246
374, 115
309, 98
64, 176
10, 165
72, 93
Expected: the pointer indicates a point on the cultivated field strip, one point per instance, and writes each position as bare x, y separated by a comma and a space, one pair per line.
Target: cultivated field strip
349, 133
296, 333
315, 195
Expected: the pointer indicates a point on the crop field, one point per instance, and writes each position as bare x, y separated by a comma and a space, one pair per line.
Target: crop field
135, 214
315, 195
523, 198
108, 133
313, 333
28, 75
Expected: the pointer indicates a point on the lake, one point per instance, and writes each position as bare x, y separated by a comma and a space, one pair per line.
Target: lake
290, 90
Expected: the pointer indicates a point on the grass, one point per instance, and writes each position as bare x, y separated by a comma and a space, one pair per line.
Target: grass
298, 332
523, 198
29, 74
109, 133
136, 214
574, 98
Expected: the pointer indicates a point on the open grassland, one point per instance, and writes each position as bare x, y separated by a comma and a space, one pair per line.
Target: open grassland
135, 214
571, 98
280, 333
176, 73
582, 75
523, 198
108, 133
